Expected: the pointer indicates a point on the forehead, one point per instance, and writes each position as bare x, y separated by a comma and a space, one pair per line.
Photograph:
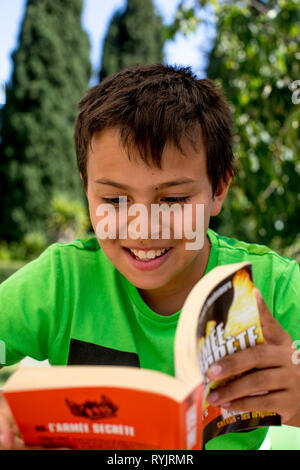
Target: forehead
108, 157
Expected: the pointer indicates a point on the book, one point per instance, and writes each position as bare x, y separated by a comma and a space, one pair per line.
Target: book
115, 408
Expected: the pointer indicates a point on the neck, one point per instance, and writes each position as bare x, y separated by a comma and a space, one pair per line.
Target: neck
170, 298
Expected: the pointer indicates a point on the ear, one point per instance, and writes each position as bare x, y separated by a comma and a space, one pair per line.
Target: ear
220, 196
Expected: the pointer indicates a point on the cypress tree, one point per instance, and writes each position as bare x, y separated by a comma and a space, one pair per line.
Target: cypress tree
51, 72
135, 37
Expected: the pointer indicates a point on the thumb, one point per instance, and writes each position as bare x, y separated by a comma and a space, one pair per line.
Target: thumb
8, 428
6, 432
272, 330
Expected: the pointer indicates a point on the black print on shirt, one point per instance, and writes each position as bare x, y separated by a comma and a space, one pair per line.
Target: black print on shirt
84, 353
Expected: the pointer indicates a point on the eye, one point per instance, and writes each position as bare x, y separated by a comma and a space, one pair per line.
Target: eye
174, 199
169, 200
111, 200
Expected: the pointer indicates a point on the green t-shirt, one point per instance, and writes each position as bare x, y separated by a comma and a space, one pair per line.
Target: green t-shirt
72, 306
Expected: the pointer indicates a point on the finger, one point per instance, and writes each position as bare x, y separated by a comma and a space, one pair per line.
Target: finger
272, 330
254, 383
6, 438
6, 431
17, 443
7, 424
272, 402
261, 356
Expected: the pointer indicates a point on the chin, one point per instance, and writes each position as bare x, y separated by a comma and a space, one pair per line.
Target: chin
140, 282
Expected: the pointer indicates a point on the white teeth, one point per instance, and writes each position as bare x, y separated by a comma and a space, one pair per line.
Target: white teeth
147, 255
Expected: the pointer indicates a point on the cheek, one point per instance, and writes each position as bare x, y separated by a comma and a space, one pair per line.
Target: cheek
193, 218
105, 222
98, 216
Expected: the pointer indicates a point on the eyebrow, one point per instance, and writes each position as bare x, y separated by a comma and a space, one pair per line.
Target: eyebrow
167, 184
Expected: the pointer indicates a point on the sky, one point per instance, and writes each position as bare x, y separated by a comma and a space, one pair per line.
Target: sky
95, 19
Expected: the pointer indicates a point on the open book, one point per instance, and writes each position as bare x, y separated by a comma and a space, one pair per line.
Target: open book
112, 407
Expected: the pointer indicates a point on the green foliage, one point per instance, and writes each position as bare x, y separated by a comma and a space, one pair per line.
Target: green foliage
255, 58
8, 268
32, 244
184, 22
134, 37
68, 220
51, 73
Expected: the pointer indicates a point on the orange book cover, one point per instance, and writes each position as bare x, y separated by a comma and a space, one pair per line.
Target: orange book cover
106, 417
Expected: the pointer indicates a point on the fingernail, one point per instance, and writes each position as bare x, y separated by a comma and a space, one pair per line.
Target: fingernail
213, 397
216, 370
225, 405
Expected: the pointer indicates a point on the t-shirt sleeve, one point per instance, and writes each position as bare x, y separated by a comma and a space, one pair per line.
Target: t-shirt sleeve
29, 300
286, 300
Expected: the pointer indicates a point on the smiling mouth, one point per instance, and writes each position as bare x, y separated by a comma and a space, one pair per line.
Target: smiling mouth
149, 255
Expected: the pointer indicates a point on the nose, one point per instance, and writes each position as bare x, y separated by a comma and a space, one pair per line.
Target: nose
139, 221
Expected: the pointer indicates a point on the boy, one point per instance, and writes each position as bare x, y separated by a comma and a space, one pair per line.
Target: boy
153, 135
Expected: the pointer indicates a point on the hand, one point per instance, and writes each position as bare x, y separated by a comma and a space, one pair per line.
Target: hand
271, 378
10, 438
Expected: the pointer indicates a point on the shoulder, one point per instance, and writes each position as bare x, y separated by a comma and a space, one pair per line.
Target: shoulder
78, 250
56, 260
77, 247
230, 250
277, 277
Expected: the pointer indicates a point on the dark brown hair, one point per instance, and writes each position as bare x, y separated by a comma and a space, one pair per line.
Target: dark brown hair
152, 105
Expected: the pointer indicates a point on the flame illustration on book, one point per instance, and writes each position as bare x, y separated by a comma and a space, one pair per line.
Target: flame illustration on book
93, 409
243, 312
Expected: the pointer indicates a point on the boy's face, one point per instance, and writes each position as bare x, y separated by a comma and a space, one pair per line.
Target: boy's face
111, 175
